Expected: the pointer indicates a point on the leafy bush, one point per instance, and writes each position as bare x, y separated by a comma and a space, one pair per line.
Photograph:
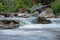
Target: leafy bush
1, 7
56, 6
38, 1
28, 3
11, 5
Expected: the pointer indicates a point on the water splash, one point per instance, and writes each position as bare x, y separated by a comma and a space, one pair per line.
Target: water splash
54, 20
31, 31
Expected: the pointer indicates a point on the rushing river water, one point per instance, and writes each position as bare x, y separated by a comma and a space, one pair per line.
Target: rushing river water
30, 31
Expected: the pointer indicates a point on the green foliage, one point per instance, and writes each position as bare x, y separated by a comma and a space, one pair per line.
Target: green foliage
38, 1
11, 5
1, 7
56, 6
28, 3
19, 4
6, 6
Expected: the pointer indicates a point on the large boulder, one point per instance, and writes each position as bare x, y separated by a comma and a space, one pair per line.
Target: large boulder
42, 20
57, 15
9, 24
47, 13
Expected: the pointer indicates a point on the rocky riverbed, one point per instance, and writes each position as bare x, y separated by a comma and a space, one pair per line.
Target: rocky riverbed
9, 24
30, 31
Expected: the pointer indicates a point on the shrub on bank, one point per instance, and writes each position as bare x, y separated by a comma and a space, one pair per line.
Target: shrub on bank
11, 5
56, 6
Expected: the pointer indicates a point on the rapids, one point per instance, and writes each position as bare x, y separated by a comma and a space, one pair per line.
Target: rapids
30, 31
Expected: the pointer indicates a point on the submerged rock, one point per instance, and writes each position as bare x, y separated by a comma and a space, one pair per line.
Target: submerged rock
9, 24
42, 20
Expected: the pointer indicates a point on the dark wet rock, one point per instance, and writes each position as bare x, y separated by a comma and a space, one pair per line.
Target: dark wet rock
9, 24
42, 20
6, 21
15, 14
46, 2
15, 21
4, 15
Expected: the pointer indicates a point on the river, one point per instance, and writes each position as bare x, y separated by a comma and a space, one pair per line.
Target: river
30, 31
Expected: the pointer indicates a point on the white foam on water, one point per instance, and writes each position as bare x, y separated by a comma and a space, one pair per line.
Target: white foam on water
40, 26
30, 26
54, 20
20, 32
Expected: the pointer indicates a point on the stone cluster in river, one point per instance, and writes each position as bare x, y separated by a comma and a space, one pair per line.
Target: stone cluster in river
42, 20
9, 24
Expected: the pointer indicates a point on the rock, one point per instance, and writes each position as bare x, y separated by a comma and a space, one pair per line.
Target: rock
1, 16
36, 14
6, 21
26, 15
9, 24
20, 15
15, 21
57, 15
43, 20
47, 13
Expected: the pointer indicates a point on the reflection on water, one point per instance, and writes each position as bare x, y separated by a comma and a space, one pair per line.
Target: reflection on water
32, 31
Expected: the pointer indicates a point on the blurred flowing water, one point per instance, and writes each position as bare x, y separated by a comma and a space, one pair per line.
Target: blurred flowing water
30, 31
